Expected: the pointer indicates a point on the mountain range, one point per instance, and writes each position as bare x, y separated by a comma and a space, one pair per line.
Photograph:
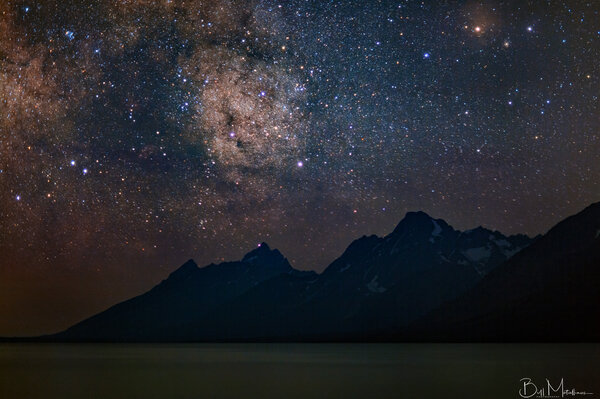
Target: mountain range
425, 281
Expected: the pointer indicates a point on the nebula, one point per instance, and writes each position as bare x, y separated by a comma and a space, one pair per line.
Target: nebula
246, 112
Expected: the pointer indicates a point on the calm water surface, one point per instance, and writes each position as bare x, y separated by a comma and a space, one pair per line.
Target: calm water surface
291, 370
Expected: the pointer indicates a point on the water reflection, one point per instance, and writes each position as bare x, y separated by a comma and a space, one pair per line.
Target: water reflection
291, 370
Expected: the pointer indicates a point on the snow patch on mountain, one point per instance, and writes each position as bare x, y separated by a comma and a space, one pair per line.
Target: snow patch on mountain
507, 249
478, 254
479, 270
374, 286
437, 230
501, 243
510, 252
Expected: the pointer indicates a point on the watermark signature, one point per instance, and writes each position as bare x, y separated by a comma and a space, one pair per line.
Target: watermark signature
548, 390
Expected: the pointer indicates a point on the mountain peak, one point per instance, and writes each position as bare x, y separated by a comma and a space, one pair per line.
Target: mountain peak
189, 265
264, 255
418, 220
184, 270
418, 217
261, 250
479, 231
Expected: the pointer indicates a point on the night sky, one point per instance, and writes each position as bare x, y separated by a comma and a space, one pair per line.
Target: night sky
135, 134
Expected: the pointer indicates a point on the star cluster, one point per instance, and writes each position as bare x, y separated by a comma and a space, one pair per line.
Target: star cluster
137, 133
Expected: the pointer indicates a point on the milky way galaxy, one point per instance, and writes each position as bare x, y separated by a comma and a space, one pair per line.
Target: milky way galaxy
135, 134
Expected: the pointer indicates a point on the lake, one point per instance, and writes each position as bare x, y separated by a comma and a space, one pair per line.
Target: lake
293, 370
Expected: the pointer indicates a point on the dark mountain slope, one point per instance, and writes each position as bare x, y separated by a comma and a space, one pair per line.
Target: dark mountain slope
188, 294
550, 291
384, 283
378, 284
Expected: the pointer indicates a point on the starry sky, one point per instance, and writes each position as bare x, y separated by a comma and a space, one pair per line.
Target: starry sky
135, 134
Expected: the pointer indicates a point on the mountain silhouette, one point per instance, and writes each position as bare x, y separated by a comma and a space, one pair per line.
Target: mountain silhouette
547, 292
423, 281
187, 294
